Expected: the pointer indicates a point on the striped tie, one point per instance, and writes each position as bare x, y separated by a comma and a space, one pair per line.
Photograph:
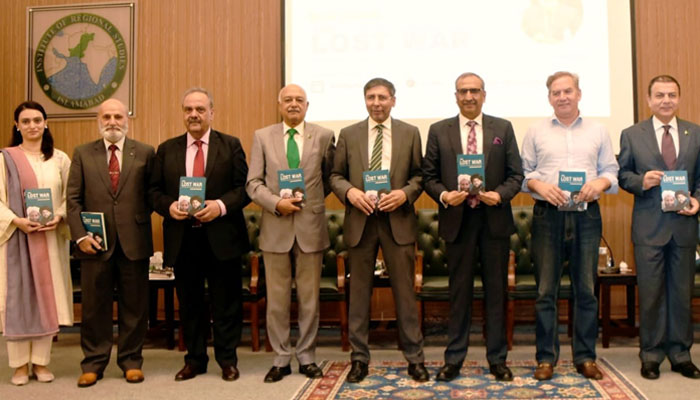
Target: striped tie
375, 163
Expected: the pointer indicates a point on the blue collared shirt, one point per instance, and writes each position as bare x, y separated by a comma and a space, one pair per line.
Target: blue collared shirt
550, 146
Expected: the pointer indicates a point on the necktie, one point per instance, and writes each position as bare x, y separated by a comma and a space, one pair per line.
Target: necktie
472, 199
668, 150
292, 150
114, 168
375, 163
471, 138
198, 167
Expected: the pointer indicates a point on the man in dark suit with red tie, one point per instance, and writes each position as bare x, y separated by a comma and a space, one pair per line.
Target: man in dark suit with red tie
474, 224
209, 245
111, 176
664, 242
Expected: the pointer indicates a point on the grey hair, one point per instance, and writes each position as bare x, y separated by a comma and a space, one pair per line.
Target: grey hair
198, 89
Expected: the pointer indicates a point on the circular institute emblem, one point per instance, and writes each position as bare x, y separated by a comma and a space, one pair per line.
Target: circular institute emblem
80, 61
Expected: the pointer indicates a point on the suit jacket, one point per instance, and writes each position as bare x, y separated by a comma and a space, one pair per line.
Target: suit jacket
308, 226
502, 169
226, 172
639, 153
128, 212
351, 159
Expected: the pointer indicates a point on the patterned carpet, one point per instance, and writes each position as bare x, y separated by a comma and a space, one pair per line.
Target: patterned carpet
389, 380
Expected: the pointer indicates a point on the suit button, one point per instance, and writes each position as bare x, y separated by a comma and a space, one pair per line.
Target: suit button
115, 202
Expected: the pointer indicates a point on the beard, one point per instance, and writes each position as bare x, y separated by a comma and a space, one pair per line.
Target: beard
113, 134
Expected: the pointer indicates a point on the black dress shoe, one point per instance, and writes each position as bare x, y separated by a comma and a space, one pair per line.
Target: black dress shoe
447, 372
358, 372
189, 371
277, 373
311, 371
229, 373
687, 369
501, 372
418, 372
650, 370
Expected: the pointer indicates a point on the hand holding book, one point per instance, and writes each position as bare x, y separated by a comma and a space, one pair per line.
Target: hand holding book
25, 225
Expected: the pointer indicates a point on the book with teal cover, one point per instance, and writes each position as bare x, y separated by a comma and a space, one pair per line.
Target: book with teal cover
376, 184
291, 182
470, 173
571, 182
38, 205
192, 194
94, 223
674, 191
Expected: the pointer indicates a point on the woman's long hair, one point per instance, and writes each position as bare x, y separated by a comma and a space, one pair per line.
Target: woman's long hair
46, 138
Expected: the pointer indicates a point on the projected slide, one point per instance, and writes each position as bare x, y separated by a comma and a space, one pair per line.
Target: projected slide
332, 48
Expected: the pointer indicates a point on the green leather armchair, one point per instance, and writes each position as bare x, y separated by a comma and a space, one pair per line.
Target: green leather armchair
432, 275
252, 277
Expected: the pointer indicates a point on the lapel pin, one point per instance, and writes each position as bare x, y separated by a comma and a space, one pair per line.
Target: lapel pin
685, 132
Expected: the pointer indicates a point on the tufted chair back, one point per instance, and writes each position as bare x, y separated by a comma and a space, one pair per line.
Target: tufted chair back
520, 240
432, 246
252, 221
329, 270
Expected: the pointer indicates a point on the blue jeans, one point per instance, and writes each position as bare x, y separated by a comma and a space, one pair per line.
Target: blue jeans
558, 236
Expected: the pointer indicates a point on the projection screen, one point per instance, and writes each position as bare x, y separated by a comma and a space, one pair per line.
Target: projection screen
333, 48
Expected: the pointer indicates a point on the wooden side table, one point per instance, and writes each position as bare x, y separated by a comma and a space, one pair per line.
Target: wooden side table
621, 327
156, 283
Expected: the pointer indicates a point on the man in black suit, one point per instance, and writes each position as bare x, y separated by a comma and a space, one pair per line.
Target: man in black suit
474, 224
664, 242
209, 244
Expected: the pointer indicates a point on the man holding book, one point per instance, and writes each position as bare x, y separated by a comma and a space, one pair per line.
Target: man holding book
567, 152
292, 155
378, 153
664, 241
207, 245
474, 221
109, 178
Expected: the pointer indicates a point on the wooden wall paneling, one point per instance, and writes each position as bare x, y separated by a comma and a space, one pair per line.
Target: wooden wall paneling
234, 49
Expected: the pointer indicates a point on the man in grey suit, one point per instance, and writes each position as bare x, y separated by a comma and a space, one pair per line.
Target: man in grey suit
394, 146
664, 242
292, 230
111, 176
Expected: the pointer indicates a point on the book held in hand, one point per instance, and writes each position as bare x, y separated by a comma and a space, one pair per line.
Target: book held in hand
192, 194
470, 173
94, 223
377, 185
292, 185
38, 205
674, 191
571, 182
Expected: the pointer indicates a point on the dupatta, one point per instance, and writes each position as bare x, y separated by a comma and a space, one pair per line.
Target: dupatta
30, 309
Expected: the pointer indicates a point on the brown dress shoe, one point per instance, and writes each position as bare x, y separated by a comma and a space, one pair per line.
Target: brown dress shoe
134, 375
188, 372
589, 370
229, 373
544, 371
88, 379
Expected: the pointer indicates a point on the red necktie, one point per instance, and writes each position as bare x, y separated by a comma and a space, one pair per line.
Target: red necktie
198, 168
114, 168
472, 200
668, 150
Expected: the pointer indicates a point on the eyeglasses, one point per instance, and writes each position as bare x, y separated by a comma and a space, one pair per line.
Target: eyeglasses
473, 91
